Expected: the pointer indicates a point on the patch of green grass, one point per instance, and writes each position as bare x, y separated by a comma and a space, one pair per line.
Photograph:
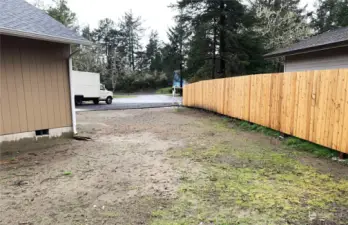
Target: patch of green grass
124, 96
255, 127
221, 124
303, 145
67, 173
167, 90
253, 185
291, 141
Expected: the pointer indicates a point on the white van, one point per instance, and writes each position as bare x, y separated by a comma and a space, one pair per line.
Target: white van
87, 87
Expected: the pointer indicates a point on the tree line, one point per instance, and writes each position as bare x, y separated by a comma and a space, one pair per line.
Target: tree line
211, 39
230, 37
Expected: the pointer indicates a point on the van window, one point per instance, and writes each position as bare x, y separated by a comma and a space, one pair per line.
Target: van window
102, 87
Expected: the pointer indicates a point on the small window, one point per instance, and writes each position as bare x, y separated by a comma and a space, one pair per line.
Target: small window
42, 132
102, 87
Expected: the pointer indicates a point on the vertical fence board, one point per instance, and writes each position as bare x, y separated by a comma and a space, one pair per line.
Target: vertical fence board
332, 106
339, 110
343, 147
252, 104
275, 113
325, 108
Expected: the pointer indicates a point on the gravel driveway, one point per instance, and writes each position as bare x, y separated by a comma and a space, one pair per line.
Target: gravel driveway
136, 102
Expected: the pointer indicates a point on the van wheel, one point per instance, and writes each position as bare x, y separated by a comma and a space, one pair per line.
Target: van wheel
96, 101
78, 101
108, 100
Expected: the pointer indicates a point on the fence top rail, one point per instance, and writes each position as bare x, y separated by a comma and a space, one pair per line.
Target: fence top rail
270, 74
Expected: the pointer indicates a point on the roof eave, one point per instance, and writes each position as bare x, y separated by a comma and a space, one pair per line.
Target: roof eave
42, 37
307, 50
272, 56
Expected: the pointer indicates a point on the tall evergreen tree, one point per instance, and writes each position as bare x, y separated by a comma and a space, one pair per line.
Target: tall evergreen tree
62, 13
330, 14
111, 42
131, 29
178, 36
153, 55
201, 55
223, 23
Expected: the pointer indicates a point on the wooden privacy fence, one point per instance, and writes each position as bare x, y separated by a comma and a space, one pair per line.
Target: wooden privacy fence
311, 105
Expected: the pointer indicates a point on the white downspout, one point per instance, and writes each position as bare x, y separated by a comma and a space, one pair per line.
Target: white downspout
72, 97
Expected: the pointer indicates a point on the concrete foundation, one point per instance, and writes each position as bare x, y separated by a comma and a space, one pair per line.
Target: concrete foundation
29, 141
53, 133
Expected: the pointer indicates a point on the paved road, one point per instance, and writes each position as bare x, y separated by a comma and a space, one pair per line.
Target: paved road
139, 101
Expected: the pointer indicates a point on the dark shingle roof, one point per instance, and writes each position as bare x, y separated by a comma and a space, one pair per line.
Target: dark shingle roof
326, 39
19, 18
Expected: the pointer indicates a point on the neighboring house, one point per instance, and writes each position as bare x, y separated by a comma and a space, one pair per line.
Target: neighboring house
36, 96
325, 51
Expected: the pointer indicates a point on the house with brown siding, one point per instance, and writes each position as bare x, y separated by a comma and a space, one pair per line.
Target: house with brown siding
328, 50
35, 66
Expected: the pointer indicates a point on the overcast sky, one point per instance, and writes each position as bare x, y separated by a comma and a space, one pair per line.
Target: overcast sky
155, 14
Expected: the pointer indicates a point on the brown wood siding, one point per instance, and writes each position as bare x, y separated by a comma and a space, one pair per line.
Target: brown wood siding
35, 92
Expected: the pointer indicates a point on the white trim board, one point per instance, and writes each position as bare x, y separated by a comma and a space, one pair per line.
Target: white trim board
72, 96
43, 37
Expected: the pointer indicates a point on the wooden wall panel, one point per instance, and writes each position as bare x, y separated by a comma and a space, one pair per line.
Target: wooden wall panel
50, 104
312, 105
61, 93
11, 88
18, 75
1, 74
35, 90
28, 96
55, 91
40, 63
5, 105
66, 82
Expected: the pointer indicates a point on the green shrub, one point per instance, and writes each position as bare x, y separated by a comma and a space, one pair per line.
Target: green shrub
167, 90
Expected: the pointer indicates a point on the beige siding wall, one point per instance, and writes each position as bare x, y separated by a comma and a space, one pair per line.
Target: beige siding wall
327, 59
34, 85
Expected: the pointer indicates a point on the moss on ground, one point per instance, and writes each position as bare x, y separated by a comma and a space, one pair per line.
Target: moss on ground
254, 186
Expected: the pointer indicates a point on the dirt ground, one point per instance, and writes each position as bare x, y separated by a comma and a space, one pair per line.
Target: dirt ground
146, 166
